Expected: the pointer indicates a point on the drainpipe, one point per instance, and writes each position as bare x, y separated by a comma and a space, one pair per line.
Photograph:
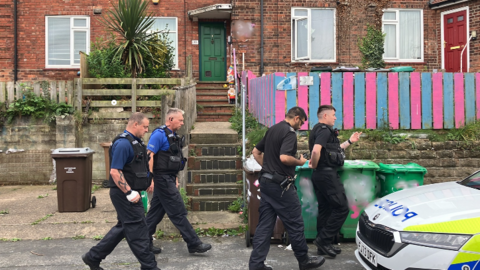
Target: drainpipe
15, 52
261, 38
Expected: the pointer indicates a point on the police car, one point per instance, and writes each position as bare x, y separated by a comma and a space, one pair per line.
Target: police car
429, 227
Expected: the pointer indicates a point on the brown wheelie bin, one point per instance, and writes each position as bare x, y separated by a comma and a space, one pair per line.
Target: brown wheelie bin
74, 179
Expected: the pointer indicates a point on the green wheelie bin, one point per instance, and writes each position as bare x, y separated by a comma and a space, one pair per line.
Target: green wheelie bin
395, 177
361, 188
308, 199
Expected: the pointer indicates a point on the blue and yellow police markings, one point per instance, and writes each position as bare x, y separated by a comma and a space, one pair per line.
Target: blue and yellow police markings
465, 261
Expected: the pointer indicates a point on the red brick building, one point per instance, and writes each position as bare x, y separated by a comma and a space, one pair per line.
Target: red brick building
297, 35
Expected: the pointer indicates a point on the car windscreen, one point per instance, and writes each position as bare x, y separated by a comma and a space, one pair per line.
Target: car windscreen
472, 181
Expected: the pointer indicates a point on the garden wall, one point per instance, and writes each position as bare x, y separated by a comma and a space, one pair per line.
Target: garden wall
444, 161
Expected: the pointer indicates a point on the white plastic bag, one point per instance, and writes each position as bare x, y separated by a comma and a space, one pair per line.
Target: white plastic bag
252, 165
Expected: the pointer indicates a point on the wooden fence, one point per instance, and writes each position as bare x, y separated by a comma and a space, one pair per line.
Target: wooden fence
85, 90
58, 91
371, 100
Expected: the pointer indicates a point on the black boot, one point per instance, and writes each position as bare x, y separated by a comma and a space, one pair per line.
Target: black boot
200, 248
311, 262
92, 264
335, 248
265, 267
155, 250
325, 249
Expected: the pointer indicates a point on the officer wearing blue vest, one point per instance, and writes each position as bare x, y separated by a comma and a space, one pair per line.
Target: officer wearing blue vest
166, 160
129, 175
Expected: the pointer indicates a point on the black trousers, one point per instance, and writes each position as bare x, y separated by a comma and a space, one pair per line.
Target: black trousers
288, 208
131, 226
167, 199
332, 204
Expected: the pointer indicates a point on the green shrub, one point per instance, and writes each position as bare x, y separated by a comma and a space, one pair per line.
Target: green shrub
38, 107
102, 63
250, 121
372, 48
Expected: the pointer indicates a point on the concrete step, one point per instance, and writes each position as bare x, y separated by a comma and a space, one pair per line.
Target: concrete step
211, 87
213, 100
210, 104
215, 149
214, 189
213, 132
211, 93
212, 203
214, 163
214, 176
214, 118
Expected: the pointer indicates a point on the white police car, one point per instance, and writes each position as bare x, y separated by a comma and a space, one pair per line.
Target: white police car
424, 228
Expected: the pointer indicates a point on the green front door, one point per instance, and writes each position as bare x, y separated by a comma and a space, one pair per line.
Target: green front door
212, 52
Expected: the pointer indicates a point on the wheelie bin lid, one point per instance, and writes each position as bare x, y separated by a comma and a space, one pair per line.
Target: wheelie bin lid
409, 167
359, 164
72, 152
304, 167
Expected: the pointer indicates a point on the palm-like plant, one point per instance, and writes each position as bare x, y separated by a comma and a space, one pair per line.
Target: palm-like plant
130, 20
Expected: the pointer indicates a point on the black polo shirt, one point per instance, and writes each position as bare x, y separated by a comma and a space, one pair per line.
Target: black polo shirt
321, 135
280, 139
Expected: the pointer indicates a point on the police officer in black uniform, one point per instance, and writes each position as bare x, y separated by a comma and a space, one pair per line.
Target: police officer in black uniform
327, 154
279, 197
129, 175
166, 160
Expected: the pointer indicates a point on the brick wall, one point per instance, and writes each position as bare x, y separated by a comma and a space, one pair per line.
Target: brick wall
277, 34
31, 33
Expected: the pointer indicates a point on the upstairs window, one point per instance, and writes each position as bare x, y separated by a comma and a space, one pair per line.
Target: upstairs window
66, 37
404, 35
168, 24
313, 35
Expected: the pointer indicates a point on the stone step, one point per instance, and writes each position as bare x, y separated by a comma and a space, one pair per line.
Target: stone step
215, 149
213, 132
214, 189
210, 104
212, 203
211, 87
214, 100
215, 109
214, 176
211, 93
214, 118
214, 163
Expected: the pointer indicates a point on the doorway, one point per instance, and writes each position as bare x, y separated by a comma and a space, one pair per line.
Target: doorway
212, 51
455, 38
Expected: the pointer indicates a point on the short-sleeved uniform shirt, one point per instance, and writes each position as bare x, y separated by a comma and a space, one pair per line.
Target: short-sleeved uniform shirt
122, 152
280, 139
158, 141
320, 136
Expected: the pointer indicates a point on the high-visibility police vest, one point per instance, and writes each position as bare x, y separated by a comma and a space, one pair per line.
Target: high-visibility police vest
171, 161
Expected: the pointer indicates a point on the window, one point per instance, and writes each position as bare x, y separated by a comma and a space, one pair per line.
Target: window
66, 37
313, 35
404, 35
169, 25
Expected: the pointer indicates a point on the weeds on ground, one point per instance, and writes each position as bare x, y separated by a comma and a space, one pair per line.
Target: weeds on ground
42, 219
47, 238
42, 196
10, 240
98, 237
77, 237
4, 212
95, 188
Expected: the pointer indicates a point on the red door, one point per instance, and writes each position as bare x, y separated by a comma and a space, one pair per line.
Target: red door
455, 27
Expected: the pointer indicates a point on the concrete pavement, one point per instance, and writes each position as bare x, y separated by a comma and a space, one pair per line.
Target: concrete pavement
33, 218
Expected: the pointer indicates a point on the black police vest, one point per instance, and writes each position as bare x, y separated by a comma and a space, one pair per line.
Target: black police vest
169, 162
135, 172
332, 155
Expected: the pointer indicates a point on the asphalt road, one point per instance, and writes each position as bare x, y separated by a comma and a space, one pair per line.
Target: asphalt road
227, 253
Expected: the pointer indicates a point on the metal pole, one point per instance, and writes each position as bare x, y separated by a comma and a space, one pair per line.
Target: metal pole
235, 74
461, 55
243, 139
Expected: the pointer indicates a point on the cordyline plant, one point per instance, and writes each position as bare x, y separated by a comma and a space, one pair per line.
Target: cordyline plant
131, 21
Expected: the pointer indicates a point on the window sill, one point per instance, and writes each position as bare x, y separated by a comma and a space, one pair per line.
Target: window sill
61, 69
406, 62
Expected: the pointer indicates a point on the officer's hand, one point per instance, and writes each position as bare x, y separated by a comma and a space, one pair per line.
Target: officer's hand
310, 164
176, 182
150, 188
355, 137
137, 199
302, 160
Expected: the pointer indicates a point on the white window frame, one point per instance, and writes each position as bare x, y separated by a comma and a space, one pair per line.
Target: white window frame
294, 20
73, 29
442, 29
176, 39
397, 24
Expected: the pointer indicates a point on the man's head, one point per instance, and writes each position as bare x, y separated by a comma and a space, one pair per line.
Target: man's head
138, 124
296, 116
174, 119
326, 115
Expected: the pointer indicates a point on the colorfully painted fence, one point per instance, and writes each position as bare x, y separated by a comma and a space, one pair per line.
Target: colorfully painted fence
371, 100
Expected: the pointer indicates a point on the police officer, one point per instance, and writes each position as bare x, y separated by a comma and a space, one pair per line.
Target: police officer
129, 175
279, 197
166, 160
327, 154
